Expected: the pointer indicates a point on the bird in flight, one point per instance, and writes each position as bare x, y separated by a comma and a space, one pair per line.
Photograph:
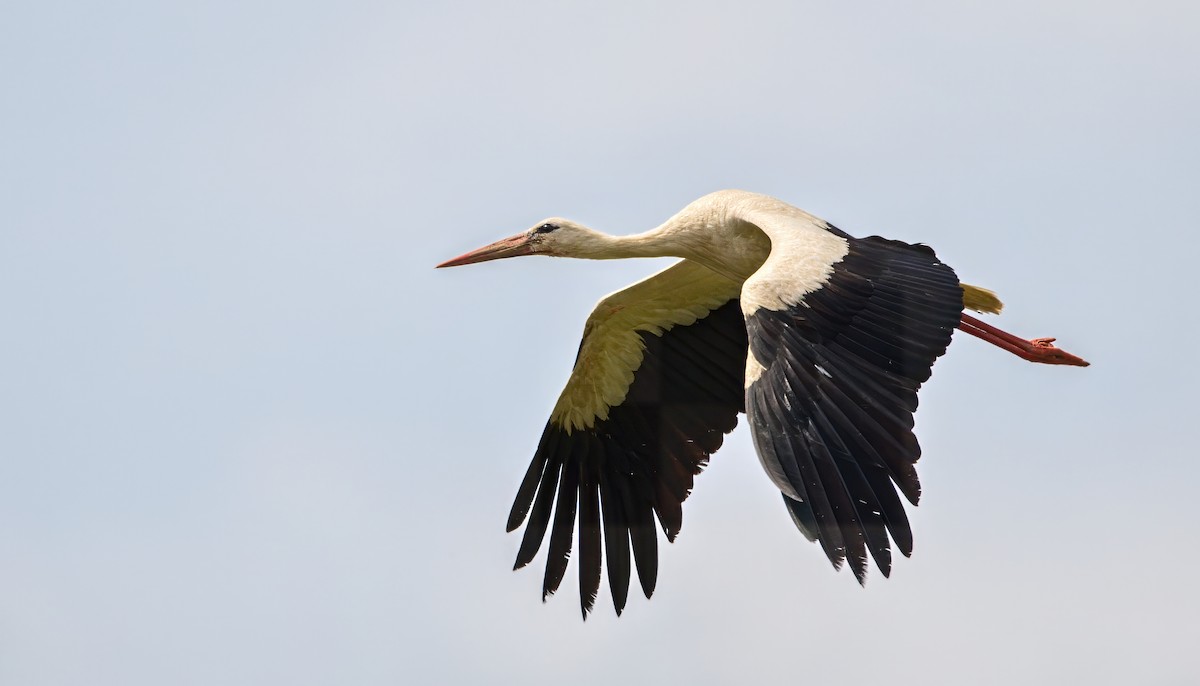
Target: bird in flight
822, 339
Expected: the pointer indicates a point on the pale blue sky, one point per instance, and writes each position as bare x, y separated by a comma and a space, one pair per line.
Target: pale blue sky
248, 435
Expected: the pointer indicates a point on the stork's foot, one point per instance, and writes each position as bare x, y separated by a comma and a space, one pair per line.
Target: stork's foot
1040, 350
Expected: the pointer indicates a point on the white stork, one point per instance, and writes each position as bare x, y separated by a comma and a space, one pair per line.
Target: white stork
822, 339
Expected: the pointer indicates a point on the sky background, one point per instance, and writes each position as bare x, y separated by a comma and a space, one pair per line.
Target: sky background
248, 434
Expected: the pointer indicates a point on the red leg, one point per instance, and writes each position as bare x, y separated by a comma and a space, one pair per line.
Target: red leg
1036, 350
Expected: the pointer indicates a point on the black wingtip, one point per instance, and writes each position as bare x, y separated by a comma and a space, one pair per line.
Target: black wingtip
857, 557
883, 556
836, 555
910, 487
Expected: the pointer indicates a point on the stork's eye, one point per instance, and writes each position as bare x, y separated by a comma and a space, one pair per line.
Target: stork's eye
546, 228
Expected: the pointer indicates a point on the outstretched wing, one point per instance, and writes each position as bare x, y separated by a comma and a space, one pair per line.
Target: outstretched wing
842, 333
656, 385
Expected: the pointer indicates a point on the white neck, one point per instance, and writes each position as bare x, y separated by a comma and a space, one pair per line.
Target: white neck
594, 245
735, 258
709, 231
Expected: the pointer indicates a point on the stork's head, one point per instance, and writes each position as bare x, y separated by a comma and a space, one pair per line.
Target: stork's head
555, 236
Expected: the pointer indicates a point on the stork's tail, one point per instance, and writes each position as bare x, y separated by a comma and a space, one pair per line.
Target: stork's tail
980, 299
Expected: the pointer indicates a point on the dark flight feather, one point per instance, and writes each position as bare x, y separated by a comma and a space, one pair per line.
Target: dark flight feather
638, 465
832, 410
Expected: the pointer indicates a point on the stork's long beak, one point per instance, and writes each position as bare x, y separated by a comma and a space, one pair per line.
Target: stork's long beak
512, 246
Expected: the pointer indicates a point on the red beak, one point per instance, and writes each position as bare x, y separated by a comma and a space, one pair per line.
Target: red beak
512, 246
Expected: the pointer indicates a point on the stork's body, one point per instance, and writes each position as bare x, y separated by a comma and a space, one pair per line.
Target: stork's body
822, 340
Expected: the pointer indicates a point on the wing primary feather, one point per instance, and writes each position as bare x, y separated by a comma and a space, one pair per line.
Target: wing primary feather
895, 444
842, 507
561, 534
643, 534
533, 476
868, 435
897, 424
894, 515
799, 437
616, 537
590, 548
825, 450
539, 516
867, 522
669, 509
773, 446
670, 469
871, 392
802, 516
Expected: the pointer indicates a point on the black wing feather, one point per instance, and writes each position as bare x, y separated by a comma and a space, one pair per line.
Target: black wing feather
616, 542
639, 463
590, 547
832, 410
559, 552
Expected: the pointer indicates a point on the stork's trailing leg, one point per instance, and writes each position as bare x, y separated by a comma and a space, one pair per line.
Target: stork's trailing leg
1036, 350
